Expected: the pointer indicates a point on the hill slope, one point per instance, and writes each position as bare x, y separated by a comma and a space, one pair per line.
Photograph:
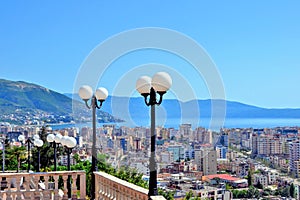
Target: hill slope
27, 100
32, 97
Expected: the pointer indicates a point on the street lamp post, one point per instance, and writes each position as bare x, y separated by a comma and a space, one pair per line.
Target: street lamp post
29, 141
3, 154
69, 143
86, 94
55, 140
159, 84
39, 143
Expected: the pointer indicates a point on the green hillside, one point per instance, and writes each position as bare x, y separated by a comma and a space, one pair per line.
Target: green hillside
21, 101
28, 96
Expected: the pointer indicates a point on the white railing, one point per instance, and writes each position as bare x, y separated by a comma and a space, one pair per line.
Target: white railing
44, 185
109, 187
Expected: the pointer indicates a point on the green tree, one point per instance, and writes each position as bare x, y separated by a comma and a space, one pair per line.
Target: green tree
292, 190
188, 195
249, 177
239, 194
259, 185
285, 192
18, 154
267, 192
168, 195
252, 192
228, 187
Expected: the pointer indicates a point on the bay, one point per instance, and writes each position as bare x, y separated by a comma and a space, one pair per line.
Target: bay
202, 122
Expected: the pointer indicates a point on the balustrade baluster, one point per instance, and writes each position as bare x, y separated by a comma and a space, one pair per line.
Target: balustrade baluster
56, 189
65, 179
82, 186
18, 182
74, 186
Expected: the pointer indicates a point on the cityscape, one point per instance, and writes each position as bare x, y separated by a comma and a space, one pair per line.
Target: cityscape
207, 163
149, 100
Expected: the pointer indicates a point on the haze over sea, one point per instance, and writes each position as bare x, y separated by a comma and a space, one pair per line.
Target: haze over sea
204, 122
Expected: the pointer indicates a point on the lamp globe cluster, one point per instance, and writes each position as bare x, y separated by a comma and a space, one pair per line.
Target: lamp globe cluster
69, 142
54, 138
160, 82
86, 92
35, 139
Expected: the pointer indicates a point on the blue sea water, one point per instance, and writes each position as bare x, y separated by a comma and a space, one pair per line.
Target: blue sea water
202, 122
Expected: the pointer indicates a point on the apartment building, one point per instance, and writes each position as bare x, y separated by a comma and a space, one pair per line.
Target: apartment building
206, 160
294, 157
266, 145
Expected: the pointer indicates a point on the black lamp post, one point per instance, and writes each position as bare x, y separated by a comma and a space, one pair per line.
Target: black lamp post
38, 143
146, 86
29, 142
86, 94
3, 154
69, 143
55, 140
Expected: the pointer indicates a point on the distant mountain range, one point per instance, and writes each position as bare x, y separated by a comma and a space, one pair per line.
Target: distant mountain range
31, 100
136, 107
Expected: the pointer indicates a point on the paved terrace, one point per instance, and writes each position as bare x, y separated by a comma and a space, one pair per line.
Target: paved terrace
45, 186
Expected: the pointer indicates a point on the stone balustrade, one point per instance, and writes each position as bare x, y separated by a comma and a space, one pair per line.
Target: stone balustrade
43, 185
110, 187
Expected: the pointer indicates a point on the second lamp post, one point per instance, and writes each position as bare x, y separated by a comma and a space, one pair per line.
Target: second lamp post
86, 94
159, 84
69, 143
55, 140
36, 141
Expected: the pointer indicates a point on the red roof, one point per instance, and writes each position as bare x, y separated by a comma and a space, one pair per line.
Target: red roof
222, 176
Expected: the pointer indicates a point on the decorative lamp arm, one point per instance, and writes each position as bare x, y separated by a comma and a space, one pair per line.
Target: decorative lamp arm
86, 103
161, 94
145, 95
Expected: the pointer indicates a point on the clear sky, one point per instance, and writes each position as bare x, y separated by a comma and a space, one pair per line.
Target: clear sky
255, 45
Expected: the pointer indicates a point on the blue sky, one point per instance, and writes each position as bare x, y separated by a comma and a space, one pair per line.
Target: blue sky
255, 45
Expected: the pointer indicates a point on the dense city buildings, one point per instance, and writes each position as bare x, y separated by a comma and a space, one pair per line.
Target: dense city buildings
187, 158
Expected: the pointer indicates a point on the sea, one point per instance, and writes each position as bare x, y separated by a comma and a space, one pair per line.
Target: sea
213, 124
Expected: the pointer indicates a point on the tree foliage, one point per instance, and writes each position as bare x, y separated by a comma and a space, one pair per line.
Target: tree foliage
249, 177
14, 157
252, 192
292, 190
168, 195
189, 195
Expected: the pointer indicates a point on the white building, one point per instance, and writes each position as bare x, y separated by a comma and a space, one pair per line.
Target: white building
272, 176
262, 179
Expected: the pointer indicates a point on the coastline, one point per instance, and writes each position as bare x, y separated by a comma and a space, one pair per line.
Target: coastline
203, 122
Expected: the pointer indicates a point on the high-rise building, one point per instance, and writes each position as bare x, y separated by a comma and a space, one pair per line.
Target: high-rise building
294, 158
266, 145
177, 151
221, 152
123, 144
203, 135
189, 152
224, 140
186, 131
206, 160
137, 144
